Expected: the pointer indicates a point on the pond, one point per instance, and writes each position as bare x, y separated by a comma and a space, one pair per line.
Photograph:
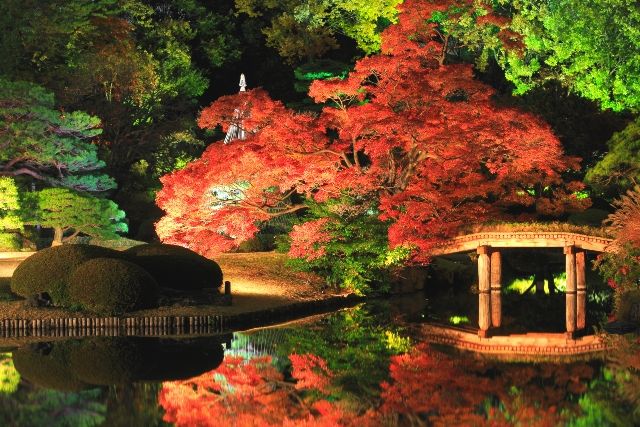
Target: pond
359, 366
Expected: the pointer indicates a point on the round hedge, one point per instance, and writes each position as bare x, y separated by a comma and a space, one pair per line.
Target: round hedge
176, 267
48, 270
112, 286
47, 367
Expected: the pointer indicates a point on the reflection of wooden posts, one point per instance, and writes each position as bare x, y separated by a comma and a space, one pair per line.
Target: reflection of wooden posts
570, 258
484, 288
581, 290
496, 283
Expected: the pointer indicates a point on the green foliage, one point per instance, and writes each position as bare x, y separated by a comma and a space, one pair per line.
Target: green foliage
356, 345
589, 46
47, 144
176, 267
10, 242
9, 376
612, 398
10, 218
562, 227
619, 169
112, 286
67, 211
48, 270
303, 30
357, 256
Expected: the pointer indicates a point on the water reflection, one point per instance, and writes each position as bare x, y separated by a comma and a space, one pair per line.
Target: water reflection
356, 367
81, 364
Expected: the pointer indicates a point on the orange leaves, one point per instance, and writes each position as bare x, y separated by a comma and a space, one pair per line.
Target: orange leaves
307, 239
311, 372
422, 139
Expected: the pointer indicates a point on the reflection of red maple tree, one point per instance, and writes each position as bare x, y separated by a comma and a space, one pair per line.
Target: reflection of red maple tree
428, 385
425, 387
420, 138
251, 393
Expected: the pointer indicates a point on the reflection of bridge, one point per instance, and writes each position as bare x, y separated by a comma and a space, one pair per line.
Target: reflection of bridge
488, 245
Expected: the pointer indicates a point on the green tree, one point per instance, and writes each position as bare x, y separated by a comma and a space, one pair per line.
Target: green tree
357, 255
305, 30
10, 214
590, 46
46, 144
619, 170
70, 213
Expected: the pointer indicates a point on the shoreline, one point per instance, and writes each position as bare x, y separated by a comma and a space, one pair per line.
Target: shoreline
265, 291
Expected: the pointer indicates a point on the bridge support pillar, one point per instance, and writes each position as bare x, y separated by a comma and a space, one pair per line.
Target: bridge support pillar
484, 290
581, 290
496, 291
570, 293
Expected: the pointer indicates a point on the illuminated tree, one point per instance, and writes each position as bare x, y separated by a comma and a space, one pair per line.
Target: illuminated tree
46, 144
11, 221
303, 30
71, 213
619, 169
419, 139
589, 46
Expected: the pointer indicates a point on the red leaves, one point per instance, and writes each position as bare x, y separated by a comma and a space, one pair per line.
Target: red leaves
425, 387
427, 383
422, 139
307, 239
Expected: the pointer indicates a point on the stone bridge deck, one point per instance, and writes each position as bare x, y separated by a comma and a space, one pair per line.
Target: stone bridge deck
523, 239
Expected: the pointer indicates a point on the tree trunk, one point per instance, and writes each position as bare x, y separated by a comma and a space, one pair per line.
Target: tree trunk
57, 236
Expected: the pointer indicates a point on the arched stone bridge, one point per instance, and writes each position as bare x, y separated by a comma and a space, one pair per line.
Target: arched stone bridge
488, 245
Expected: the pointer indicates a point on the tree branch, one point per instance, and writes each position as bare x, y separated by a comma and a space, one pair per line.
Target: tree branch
23, 171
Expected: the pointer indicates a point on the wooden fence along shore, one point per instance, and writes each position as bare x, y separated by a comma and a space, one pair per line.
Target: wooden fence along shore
113, 326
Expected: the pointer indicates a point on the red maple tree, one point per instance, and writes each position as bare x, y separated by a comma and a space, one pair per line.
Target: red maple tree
420, 137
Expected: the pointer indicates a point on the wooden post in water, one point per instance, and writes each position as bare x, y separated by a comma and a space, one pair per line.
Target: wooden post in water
570, 258
496, 284
484, 289
581, 290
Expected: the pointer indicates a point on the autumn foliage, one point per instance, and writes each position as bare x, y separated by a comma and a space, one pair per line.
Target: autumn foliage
425, 387
251, 393
420, 138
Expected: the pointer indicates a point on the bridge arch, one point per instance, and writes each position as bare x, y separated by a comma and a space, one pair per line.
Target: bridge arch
488, 246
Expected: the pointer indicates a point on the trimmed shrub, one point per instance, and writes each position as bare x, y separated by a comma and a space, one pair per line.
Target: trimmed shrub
176, 267
47, 366
112, 286
48, 270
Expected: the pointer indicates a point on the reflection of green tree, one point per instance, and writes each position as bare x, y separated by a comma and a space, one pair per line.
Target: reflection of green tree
613, 399
38, 407
134, 405
9, 376
355, 345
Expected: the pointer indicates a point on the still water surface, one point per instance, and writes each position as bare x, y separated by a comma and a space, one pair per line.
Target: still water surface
361, 366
